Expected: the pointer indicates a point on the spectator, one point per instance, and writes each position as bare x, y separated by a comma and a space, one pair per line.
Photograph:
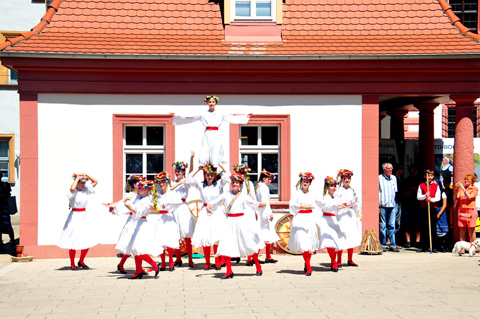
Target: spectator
5, 222
411, 207
442, 219
446, 170
429, 191
387, 183
467, 211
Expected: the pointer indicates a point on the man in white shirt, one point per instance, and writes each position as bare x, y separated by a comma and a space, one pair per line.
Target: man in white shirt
387, 187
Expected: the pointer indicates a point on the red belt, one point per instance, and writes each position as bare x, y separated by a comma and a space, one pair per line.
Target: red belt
328, 214
205, 204
304, 211
130, 213
235, 215
78, 209
144, 217
163, 211
212, 128
184, 200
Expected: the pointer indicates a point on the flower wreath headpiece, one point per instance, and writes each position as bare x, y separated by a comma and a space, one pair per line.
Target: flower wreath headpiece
209, 169
344, 172
74, 176
211, 97
330, 180
162, 177
241, 169
146, 184
237, 177
306, 175
135, 178
180, 165
265, 173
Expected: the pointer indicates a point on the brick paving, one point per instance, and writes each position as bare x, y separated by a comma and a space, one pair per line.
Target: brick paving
393, 285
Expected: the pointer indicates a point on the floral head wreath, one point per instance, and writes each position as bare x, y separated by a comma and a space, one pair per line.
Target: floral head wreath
209, 169
237, 177
304, 175
241, 169
146, 184
344, 172
135, 178
162, 177
74, 176
330, 181
180, 165
208, 97
265, 173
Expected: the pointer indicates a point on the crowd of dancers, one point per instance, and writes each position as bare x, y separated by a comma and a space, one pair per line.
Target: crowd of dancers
237, 223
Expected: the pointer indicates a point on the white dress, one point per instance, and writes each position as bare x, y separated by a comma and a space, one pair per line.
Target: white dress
238, 239
255, 222
208, 227
128, 229
304, 230
330, 235
185, 219
167, 233
347, 218
78, 232
211, 151
142, 240
268, 233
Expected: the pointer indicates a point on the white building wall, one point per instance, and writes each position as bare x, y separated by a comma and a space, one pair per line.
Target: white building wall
20, 15
75, 135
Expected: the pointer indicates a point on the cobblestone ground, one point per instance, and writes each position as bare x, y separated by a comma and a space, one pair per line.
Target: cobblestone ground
392, 285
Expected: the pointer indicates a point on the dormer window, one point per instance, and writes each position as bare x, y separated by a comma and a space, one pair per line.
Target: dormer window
259, 10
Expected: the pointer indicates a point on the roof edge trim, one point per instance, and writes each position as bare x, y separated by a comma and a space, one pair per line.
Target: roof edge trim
447, 9
237, 57
44, 21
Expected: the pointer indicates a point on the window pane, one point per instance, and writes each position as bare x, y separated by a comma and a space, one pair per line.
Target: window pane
264, 9
13, 77
251, 161
274, 187
4, 148
151, 177
242, 8
133, 163
249, 135
133, 135
154, 163
4, 166
269, 135
270, 162
154, 135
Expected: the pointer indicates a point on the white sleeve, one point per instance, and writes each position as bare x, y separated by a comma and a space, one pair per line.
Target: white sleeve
192, 182
420, 196
71, 195
225, 179
236, 119
294, 206
218, 201
90, 189
181, 119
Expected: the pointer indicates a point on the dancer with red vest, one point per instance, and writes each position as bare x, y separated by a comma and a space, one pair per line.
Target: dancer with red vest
211, 150
304, 230
428, 192
183, 215
77, 232
238, 238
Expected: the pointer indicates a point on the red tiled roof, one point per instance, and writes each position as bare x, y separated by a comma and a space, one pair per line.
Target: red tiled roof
194, 27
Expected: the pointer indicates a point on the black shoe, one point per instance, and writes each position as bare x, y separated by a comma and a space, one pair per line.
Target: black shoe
158, 269
178, 263
137, 276
82, 266
424, 250
308, 274
121, 270
304, 268
270, 261
250, 263
191, 265
163, 267
394, 249
207, 267
237, 260
434, 251
352, 264
218, 268
260, 273
334, 269
171, 268
229, 276
407, 245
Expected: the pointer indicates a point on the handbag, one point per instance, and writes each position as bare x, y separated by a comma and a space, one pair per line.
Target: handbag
12, 205
464, 214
